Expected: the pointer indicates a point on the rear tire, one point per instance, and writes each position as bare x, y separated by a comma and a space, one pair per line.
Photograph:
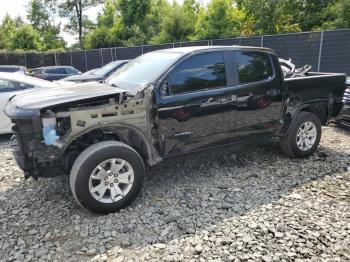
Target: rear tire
303, 136
107, 176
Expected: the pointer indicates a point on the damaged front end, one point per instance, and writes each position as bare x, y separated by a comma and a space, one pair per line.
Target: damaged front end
49, 136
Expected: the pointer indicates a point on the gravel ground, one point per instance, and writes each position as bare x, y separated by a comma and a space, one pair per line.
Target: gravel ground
229, 205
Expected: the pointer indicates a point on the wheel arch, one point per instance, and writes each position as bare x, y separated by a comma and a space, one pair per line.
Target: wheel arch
127, 134
318, 107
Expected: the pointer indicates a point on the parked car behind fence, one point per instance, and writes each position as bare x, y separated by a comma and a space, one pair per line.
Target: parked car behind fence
54, 72
99, 73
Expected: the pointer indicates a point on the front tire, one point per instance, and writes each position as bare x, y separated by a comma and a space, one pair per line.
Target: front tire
303, 136
107, 176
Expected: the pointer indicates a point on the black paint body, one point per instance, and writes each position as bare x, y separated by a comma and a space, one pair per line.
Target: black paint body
182, 123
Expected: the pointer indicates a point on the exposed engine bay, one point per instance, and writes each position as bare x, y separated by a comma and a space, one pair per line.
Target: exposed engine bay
53, 139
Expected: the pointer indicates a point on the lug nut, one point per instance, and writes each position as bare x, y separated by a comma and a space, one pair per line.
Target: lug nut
115, 175
106, 184
116, 181
106, 178
111, 184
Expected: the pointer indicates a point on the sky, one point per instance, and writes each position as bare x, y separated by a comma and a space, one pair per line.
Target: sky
18, 8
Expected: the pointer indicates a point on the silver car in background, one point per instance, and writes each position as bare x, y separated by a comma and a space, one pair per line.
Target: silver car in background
12, 84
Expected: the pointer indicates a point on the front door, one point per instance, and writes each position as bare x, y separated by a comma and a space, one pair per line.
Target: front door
196, 105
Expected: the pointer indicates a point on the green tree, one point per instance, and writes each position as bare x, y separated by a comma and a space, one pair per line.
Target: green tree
271, 16
40, 15
222, 19
154, 18
178, 25
108, 17
336, 15
133, 12
8, 29
108, 30
74, 11
27, 38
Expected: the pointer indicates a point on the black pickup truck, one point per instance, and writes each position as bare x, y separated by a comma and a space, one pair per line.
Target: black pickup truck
164, 104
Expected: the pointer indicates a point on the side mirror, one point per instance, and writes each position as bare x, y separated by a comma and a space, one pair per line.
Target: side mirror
164, 88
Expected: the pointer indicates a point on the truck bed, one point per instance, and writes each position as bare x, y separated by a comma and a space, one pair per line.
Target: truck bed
319, 86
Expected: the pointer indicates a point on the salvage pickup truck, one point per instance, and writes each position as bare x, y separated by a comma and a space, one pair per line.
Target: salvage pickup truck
164, 104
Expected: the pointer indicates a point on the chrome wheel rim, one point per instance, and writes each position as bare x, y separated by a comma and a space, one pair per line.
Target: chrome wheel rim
306, 136
111, 180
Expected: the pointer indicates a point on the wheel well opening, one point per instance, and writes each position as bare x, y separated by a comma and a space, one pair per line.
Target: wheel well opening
84, 141
127, 136
320, 110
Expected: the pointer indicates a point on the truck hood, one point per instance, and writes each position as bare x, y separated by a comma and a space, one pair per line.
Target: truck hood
43, 98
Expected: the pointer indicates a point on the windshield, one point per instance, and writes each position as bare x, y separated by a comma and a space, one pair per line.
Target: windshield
143, 70
105, 69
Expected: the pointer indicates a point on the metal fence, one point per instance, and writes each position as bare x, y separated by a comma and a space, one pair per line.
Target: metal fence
327, 51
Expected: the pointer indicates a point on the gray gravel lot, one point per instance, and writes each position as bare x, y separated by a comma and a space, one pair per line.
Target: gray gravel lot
228, 205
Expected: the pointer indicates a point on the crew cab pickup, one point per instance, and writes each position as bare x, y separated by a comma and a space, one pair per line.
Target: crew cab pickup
164, 104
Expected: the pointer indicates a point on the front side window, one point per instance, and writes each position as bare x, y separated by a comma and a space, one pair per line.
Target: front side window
199, 72
71, 71
253, 66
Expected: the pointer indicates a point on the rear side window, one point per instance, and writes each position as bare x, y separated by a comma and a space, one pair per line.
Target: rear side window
9, 85
71, 71
6, 85
199, 72
253, 66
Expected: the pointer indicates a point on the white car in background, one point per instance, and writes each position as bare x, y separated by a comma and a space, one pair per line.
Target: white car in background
12, 84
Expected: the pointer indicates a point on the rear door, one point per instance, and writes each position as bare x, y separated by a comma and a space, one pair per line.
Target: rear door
259, 94
195, 104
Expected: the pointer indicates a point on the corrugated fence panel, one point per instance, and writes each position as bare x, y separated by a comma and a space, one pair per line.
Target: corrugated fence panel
128, 52
39, 60
249, 41
93, 59
78, 59
12, 59
150, 48
229, 41
242, 41
64, 59
195, 43
303, 48
336, 52
107, 55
